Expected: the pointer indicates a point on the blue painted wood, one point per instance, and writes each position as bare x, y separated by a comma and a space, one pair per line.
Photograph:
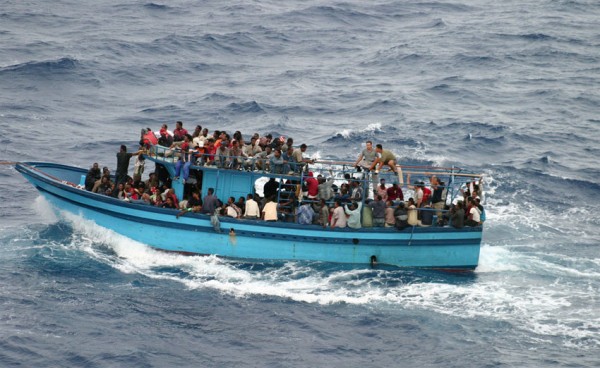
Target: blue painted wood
432, 247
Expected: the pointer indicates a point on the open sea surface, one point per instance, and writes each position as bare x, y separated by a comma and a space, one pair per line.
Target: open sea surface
506, 88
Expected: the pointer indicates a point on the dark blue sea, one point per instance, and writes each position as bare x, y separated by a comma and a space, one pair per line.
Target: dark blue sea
505, 88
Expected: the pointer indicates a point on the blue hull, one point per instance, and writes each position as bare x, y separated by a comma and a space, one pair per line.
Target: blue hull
432, 247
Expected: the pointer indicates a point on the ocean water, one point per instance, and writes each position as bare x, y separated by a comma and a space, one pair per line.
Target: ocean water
509, 89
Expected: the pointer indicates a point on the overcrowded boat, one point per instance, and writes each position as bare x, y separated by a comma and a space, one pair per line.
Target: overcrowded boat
247, 207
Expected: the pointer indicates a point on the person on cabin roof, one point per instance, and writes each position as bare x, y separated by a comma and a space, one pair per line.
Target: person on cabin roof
237, 155
186, 157
222, 157
366, 157
165, 138
276, 162
197, 131
265, 141
251, 151
289, 143
290, 161
252, 211
179, 132
299, 158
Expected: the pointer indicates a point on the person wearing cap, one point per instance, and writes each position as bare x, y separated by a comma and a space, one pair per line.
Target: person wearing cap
199, 152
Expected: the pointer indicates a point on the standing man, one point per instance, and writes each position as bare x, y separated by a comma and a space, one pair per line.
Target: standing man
210, 202
123, 158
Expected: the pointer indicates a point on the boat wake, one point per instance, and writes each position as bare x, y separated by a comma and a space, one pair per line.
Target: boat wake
538, 293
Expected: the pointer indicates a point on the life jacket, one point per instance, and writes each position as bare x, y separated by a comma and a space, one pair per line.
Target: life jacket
150, 139
426, 195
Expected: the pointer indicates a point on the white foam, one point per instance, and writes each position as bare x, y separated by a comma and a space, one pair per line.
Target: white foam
499, 293
45, 210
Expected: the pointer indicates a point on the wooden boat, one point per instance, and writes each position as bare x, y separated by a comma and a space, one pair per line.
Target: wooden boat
160, 228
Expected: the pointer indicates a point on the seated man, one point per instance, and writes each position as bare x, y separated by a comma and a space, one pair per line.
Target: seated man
366, 157
276, 162
299, 159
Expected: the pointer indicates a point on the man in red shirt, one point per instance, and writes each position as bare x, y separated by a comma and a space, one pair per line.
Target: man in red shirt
395, 193
179, 132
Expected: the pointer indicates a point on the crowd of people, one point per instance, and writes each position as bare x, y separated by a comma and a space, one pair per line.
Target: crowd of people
305, 199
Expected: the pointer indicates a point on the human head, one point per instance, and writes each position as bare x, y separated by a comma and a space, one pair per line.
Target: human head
179, 125
379, 148
211, 190
303, 147
123, 148
369, 145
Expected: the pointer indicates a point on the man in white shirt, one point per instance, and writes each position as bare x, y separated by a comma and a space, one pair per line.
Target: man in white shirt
252, 210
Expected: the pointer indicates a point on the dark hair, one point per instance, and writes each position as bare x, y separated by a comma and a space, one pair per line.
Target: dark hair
123, 148
303, 146
379, 146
